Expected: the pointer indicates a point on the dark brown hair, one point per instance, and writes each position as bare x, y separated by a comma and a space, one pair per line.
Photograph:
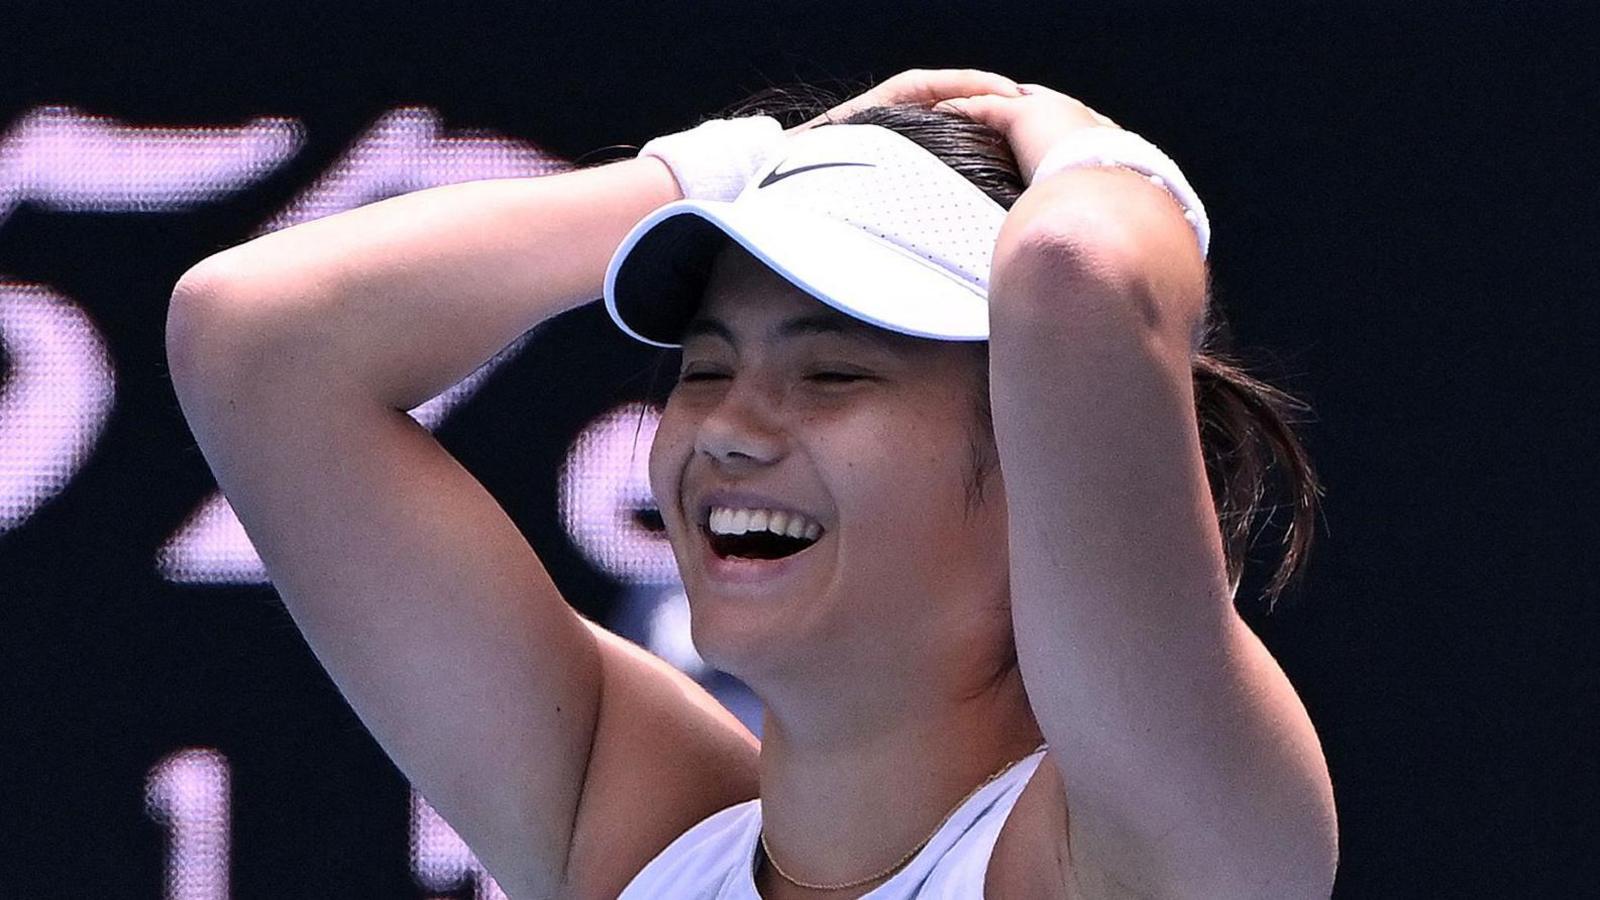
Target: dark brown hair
1246, 431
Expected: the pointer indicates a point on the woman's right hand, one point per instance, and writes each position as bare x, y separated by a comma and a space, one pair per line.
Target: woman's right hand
922, 87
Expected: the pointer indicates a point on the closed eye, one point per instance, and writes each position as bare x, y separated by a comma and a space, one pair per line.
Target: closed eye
822, 377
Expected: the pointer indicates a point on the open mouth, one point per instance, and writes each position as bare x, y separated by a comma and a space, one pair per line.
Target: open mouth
756, 545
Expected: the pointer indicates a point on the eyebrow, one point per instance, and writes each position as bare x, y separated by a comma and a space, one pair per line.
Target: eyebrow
799, 326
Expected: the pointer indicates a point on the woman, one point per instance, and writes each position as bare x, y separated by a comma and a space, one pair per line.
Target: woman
948, 597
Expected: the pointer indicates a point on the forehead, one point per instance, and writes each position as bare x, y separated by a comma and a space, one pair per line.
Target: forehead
744, 300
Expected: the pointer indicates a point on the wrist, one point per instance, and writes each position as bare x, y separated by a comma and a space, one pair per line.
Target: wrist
1102, 147
655, 171
1106, 230
715, 159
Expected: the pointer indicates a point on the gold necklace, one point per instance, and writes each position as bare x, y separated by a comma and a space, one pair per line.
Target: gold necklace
902, 860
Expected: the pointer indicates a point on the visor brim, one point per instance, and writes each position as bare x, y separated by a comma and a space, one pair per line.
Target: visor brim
656, 278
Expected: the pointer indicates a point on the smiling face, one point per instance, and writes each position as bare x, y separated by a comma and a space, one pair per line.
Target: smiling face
862, 440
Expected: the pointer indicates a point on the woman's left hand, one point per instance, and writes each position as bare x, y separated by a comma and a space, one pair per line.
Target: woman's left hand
1033, 122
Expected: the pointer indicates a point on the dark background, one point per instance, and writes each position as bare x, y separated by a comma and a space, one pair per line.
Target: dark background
1404, 236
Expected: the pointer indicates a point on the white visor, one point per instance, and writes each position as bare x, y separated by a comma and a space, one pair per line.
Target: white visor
857, 216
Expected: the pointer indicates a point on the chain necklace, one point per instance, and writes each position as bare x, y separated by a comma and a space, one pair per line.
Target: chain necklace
902, 860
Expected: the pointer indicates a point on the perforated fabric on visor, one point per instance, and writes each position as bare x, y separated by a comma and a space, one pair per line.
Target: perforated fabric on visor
858, 216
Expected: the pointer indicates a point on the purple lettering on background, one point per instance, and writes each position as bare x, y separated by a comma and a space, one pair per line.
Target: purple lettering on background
605, 501
187, 793
408, 150
55, 397
405, 150
440, 860
71, 161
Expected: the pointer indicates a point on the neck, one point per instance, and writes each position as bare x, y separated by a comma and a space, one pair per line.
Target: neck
846, 795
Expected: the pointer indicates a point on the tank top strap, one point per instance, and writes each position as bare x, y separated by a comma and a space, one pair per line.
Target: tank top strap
957, 853
910, 880
716, 859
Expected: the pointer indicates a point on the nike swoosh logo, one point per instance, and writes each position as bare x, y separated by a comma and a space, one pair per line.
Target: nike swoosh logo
775, 176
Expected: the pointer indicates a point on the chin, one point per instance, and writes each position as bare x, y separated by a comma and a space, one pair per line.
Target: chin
737, 637
748, 616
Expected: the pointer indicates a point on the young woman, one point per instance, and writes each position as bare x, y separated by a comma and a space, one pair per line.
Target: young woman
980, 572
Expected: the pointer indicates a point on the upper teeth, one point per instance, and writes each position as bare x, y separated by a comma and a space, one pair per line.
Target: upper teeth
726, 520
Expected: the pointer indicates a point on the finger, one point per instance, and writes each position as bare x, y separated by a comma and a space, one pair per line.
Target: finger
933, 85
1030, 89
990, 109
920, 87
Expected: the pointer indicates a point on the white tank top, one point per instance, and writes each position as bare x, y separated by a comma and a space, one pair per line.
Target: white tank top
717, 858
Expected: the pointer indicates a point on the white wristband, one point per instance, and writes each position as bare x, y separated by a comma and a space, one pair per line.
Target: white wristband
714, 160
1099, 146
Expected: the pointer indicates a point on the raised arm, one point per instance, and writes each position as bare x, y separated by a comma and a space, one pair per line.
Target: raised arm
565, 756
410, 294
1190, 767
538, 735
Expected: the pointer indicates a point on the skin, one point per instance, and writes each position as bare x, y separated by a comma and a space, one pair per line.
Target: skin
889, 639
1194, 770
1181, 762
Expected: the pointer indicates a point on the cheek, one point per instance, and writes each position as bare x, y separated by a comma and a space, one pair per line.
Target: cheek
904, 486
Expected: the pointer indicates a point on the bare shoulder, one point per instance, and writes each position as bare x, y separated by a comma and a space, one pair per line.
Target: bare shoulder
666, 754
1032, 858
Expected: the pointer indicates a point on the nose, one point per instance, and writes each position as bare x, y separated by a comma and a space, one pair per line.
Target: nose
742, 429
